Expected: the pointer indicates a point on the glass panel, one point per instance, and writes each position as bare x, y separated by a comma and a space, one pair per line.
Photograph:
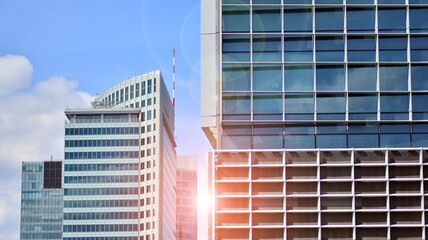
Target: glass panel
393, 78
236, 142
395, 140
359, 1
298, 49
267, 49
299, 78
266, 19
268, 142
393, 49
266, 1
267, 106
299, 129
392, 19
361, 78
268, 129
394, 107
236, 19
394, 128
236, 48
330, 78
390, 1
236, 77
236, 104
419, 77
354, 18
328, 1
297, 1
299, 103
236, 1
331, 103
359, 103
419, 48
419, 103
267, 78
331, 141
417, 18
363, 141
418, 1
297, 19
299, 141
330, 49
361, 49
328, 19
331, 128
420, 128
363, 128
419, 140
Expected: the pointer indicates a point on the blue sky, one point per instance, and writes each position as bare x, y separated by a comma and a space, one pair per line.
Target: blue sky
83, 47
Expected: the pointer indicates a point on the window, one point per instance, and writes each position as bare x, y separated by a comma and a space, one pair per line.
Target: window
137, 90
392, 49
361, 49
393, 78
394, 106
267, 49
419, 48
297, 19
390, 1
236, 106
330, 49
354, 20
132, 91
267, 77
328, 19
392, 19
236, 19
362, 77
298, 49
330, 78
299, 77
143, 90
362, 106
236, 77
417, 19
299, 106
419, 77
266, 19
267, 106
236, 49
359, 1
420, 106
331, 106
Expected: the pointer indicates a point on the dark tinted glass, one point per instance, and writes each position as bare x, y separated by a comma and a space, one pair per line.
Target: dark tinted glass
360, 19
298, 49
330, 49
419, 48
361, 49
298, 78
236, 49
328, 19
393, 49
361, 77
298, 19
330, 78
266, 19
267, 77
267, 49
236, 19
392, 19
419, 77
236, 77
393, 78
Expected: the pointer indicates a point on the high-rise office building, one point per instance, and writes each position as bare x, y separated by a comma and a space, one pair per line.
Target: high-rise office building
120, 164
41, 200
317, 113
187, 169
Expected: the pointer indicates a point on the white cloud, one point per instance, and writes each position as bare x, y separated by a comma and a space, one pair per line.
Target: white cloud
31, 129
15, 74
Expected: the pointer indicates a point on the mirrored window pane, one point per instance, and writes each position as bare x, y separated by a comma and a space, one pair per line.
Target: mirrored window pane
236, 48
236, 77
391, 1
330, 49
267, 77
236, 19
297, 1
266, 1
299, 103
417, 18
394, 106
299, 141
299, 77
362, 103
331, 141
267, 49
268, 142
331, 103
266, 19
298, 49
419, 140
236, 105
394, 140
267, 106
419, 77
328, 1
392, 49
393, 78
363, 141
330, 78
359, 1
354, 18
361, 77
361, 49
236, 1
419, 48
392, 19
236, 142
420, 102
297, 19
328, 19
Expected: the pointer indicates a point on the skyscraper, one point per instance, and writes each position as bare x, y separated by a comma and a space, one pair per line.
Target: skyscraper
120, 163
187, 177
317, 113
41, 200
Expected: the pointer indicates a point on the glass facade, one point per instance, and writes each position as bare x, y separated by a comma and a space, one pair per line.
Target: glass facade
41, 200
322, 62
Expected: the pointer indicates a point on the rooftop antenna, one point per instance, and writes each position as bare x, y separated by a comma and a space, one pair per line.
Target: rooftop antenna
51, 158
173, 77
